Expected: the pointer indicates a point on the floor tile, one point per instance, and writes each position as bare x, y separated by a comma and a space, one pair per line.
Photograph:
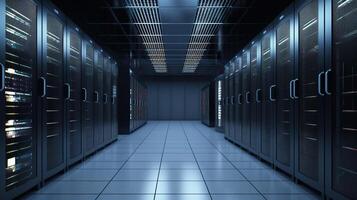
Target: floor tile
279, 187
238, 197
146, 157
181, 187
179, 165
141, 165
89, 175
230, 187
263, 175
292, 197
182, 197
215, 165
180, 175
137, 174
222, 175
73, 187
250, 165
101, 165
125, 197
178, 157
130, 187
60, 197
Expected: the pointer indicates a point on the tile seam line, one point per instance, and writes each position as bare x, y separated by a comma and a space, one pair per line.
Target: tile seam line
150, 132
195, 126
193, 153
162, 155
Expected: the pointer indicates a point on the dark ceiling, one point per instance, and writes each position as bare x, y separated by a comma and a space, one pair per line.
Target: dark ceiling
109, 23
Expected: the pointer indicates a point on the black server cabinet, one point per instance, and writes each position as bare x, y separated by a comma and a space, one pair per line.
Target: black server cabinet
87, 97
309, 158
226, 100
106, 98
231, 100
97, 98
255, 90
219, 103
52, 76
285, 76
246, 108
20, 39
239, 100
73, 95
268, 96
340, 91
114, 100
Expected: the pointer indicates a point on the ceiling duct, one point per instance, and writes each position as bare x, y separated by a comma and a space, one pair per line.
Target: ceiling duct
145, 15
211, 14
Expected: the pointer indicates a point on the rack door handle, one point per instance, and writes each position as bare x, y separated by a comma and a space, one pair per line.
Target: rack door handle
319, 85
232, 100
44, 86
247, 97
96, 96
2, 77
294, 89
113, 100
271, 92
106, 99
327, 80
240, 99
85, 94
257, 92
291, 89
68, 88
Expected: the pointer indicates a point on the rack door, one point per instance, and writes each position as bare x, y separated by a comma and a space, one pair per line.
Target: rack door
311, 118
53, 98
73, 97
343, 144
114, 101
107, 84
231, 102
268, 99
226, 103
19, 143
87, 97
97, 98
246, 112
284, 152
238, 110
255, 90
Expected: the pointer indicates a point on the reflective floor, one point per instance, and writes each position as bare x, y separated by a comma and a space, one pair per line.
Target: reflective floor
169, 161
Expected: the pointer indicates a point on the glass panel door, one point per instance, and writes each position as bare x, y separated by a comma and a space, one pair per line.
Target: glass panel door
20, 82
74, 103
239, 101
247, 99
107, 104
285, 102
309, 139
54, 93
255, 85
344, 132
98, 100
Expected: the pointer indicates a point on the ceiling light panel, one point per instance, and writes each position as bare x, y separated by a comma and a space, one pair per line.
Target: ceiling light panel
145, 15
210, 15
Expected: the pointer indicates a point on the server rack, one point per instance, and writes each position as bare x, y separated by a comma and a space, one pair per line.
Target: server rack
226, 100
106, 98
114, 100
98, 103
285, 104
239, 100
246, 111
52, 82
20, 27
87, 98
255, 90
219, 118
339, 92
268, 95
309, 141
72, 94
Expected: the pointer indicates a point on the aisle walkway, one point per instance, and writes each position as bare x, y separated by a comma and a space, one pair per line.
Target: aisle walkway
170, 161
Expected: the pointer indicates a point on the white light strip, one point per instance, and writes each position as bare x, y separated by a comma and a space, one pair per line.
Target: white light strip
210, 15
145, 15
